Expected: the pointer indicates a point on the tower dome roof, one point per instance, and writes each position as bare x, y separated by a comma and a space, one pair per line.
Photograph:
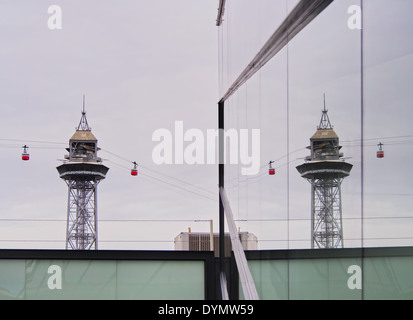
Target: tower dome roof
83, 135
321, 134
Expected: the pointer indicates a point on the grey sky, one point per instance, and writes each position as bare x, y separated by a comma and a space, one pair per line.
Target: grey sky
142, 65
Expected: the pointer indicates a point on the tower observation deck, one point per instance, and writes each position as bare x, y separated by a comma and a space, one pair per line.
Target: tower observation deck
82, 172
325, 169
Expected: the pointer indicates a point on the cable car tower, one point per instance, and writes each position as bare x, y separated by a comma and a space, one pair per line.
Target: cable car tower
82, 172
325, 169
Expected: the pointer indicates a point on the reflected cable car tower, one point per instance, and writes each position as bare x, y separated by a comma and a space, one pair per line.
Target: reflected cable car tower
82, 172
325, 169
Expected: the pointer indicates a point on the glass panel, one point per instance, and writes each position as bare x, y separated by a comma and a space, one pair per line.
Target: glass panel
12, 279
388, 278
161, 280
284, 102
388, 64
308, 279
271, 279
79, 279
314, 279
258, 201
99, 279
247, 26
325, 58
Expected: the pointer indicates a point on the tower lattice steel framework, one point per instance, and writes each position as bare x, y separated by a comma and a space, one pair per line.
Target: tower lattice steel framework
82, 172
325, 169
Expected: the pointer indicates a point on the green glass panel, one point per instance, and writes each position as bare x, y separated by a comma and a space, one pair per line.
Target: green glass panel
99, 279
270, 278
70, 279
388, 278
312, 279
12, 279
301, 279
161, 280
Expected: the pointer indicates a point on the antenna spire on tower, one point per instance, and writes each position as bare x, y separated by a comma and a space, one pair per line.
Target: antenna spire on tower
83, 125
325, 120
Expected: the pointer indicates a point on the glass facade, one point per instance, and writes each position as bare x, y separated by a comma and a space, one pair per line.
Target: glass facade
354, 62
284, 100
101, 279
388, 77
344, 274
382, 274
323, 279
362, 61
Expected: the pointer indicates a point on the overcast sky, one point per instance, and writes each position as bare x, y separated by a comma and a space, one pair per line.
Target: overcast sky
143, 65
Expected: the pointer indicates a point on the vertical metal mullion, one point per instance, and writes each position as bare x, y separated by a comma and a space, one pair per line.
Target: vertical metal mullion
69, 182
312, 214
221, 156
362, 142
95, 211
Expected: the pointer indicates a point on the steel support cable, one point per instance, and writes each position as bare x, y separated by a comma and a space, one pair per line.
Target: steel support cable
59, 144
224, 286
297, 20
181, 181
33, 141
171, 241
169, 183
378, 138
247, 282
160, 173
174, 185
221, 11
348, 143
193, 220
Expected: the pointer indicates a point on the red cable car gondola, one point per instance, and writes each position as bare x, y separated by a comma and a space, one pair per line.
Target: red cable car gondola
25, 154
271, 170
134, 171
380, 152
